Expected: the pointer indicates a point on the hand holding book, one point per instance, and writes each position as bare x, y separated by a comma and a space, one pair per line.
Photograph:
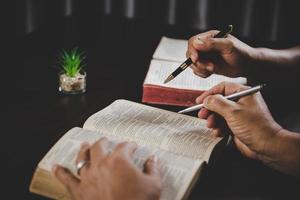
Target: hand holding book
105, 172
182, 143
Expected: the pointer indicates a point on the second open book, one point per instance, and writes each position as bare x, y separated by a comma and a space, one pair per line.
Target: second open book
182, 90
182, 143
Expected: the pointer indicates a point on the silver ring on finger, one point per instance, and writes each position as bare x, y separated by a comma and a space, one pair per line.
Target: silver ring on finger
80, 165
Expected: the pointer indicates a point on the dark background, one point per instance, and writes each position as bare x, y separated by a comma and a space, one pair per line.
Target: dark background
119, 38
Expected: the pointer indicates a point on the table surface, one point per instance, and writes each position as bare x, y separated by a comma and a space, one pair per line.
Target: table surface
37, 115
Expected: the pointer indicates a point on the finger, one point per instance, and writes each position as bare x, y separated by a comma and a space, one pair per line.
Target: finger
192, 53
203, 113
83, 153
201, 66
197, 71
198, 68
220, 105
151, 167
221, 45
210, 67
218, 89
200, 72
202, 37
205, 65
205, 75
66, 177
196, 42
224, 88
126, 149
211, 121
221, 124
98, 151
217, 132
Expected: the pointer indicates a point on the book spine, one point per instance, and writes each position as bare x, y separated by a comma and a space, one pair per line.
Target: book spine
169, 96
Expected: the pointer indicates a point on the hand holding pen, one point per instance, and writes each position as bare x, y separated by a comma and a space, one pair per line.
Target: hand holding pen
189, 61
234, 96
248, 118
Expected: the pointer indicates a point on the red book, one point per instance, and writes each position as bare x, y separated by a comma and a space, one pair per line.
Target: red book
186, 87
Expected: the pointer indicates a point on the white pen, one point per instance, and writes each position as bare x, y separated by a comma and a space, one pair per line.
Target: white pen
229, 97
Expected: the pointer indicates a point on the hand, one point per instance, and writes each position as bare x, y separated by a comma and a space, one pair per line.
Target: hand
111, 176
227, 56
249, 119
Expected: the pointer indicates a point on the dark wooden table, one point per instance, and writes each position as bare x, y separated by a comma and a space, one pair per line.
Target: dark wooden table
36, 115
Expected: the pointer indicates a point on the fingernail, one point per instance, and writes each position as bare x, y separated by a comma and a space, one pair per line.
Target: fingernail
197, 101
199, 41
205, 102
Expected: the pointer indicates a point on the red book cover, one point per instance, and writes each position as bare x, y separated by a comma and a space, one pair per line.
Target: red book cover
169, 96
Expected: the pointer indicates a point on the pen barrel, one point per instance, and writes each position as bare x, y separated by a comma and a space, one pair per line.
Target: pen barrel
244, 93
182, 67
234, 96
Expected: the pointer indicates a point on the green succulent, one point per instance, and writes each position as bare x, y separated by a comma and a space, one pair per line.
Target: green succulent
72, 62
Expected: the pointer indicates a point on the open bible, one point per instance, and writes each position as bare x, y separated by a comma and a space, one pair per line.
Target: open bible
182, 90
182, 143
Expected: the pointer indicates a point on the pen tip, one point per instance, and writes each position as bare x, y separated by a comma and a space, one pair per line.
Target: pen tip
168, 79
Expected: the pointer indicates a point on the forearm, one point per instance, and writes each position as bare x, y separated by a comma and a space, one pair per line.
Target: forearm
279, 58
283, 153
270, 66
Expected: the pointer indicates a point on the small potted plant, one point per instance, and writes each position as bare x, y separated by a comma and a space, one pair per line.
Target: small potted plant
72, 77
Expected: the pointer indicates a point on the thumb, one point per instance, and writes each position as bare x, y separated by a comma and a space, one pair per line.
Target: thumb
222, 45
219, 104
151, 167
66, 177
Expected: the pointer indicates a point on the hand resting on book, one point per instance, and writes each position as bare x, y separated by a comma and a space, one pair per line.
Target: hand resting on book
255, 132
111, 176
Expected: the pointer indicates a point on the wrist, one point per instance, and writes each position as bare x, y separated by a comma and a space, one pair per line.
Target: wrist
255, 59
282, 153
275, 58
268, 151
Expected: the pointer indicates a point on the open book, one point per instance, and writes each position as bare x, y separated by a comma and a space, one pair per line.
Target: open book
182, 143
182, 90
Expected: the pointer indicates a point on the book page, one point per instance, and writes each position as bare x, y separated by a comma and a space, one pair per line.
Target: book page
155, 128
177, 172
171, 49
159, 70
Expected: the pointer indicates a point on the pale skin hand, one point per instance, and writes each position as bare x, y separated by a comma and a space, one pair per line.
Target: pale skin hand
255, 132
231, 57
112, 176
